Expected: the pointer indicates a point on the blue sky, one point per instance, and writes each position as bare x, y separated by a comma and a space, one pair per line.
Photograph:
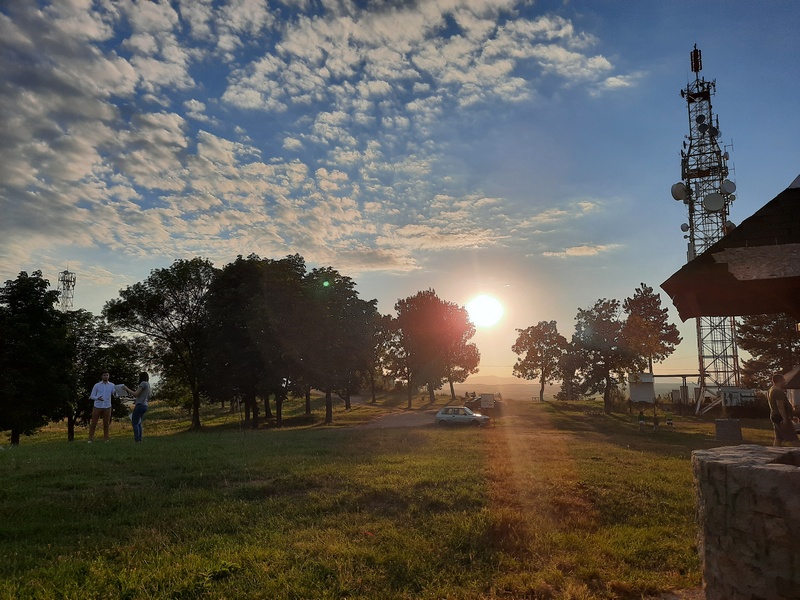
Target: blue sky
520, 149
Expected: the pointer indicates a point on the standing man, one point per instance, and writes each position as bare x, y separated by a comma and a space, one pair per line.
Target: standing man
780, 413
102, 393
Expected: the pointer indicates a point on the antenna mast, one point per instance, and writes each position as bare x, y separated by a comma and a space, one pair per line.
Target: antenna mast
66, 289
707, 193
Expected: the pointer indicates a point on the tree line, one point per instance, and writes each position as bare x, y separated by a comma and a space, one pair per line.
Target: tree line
261, 331
612, 339
257, 331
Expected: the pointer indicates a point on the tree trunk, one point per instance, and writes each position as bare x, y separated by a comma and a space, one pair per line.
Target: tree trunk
279, 410
267, 409
607, 397
541, 392
347, 400
452, 390
253, 402
196, 409
71, 426
431, 394
410, 392
372, 386
308, 400
328, 407
15, 437
246, 413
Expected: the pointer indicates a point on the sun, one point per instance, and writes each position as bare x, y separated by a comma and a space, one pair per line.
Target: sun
484, 310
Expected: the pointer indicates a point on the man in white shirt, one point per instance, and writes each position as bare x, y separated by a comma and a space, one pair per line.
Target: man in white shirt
102, 392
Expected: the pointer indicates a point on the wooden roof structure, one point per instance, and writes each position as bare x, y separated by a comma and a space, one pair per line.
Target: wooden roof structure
753, 270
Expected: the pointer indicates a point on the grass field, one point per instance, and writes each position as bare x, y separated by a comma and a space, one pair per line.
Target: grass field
553, 501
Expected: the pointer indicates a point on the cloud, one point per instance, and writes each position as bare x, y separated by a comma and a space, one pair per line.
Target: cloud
195, 127
583, 250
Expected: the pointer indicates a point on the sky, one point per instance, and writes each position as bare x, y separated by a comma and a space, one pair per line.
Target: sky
520, 149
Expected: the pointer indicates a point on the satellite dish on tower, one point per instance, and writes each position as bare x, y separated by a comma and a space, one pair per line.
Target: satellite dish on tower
700, 119
714, 202
679, 191
728, 186
684, 227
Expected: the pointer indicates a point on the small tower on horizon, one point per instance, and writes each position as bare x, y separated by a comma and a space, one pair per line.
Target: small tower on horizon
707, 193
66, 289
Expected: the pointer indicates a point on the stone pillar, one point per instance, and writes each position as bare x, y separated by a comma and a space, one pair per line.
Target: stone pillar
748, 512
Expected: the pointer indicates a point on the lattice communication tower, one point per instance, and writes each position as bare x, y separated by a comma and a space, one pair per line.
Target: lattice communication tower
66, 289
707, 193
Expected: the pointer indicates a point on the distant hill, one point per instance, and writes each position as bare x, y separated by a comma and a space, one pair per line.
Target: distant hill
514, 388
509, 387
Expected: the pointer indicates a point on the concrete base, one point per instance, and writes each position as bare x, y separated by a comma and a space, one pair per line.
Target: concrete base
748, 501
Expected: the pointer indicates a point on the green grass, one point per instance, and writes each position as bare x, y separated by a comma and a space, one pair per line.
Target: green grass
554, 501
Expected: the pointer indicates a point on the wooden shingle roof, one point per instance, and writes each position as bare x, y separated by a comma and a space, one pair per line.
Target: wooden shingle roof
755, 269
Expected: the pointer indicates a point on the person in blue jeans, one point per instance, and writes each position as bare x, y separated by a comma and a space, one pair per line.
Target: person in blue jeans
142, 395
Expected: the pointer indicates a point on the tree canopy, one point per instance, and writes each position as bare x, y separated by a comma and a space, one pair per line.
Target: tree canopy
434, 337
647, 331
600, 348
35, 356
543, 348
774, 345
170, 306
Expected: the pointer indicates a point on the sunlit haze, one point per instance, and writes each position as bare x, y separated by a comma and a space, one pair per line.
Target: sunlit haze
522, 150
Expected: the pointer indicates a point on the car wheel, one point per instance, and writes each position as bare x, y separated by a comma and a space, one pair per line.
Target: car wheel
441, 423
476, 423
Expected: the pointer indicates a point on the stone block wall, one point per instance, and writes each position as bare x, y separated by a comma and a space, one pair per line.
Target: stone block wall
748, 512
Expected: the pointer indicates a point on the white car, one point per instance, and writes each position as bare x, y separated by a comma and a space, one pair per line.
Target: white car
460, 415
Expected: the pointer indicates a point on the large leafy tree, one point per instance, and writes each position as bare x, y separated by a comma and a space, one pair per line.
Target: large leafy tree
339, 326
94, 349
543, 348
380, 348
235, 366
600, 348
277, 326
170, 307
397, 361
647, 332
461, 357
435, 337
568, 367
774, 344
35, 356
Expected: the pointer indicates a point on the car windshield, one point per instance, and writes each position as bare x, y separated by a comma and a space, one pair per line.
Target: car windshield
467, 411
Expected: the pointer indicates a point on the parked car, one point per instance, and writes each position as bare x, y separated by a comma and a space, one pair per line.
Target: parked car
460, 415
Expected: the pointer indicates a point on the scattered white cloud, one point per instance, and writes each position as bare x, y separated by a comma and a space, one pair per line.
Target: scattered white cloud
582, 250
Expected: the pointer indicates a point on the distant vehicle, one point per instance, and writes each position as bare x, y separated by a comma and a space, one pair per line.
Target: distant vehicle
486, 402
460, 415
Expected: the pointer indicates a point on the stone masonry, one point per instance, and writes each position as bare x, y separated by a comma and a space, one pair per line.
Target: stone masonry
748, 512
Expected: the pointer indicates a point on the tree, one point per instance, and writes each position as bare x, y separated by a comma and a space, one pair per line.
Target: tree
95, 349
568, 366
34, 356
543, 348
236, 368
647, 331
774, 343
600, 349
381, 339
434, 335
397, 361
461, 358
339, 328
170, 306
